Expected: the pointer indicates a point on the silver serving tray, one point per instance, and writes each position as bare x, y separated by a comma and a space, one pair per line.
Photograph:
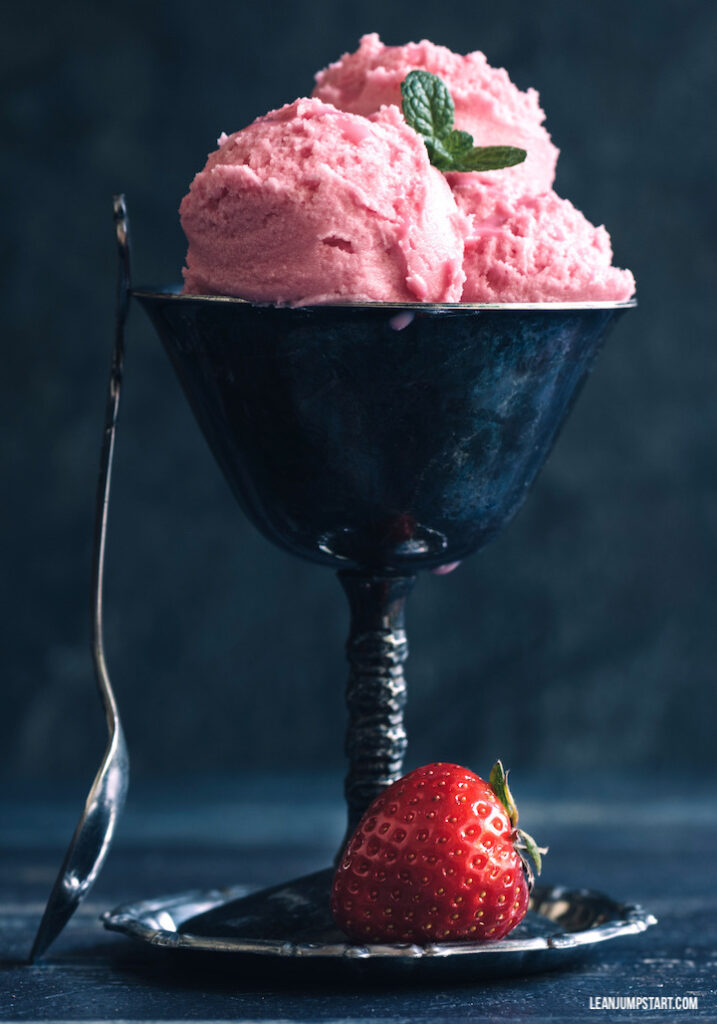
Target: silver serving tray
291, 922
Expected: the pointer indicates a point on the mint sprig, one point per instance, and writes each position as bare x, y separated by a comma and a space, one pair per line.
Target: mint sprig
428, 108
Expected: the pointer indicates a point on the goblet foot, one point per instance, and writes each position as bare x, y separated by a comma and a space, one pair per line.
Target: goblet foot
290, 925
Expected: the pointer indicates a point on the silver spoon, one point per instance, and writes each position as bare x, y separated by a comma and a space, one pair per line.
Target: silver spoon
95, 829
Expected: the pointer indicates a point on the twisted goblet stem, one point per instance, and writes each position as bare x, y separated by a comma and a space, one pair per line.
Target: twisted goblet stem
376, 689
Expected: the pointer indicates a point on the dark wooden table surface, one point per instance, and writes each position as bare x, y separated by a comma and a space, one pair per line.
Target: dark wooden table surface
652, 842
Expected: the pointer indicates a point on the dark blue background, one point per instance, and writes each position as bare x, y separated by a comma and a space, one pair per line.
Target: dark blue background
584, 637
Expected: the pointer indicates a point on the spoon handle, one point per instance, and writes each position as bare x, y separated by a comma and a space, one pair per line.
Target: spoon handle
95, 830
121, 222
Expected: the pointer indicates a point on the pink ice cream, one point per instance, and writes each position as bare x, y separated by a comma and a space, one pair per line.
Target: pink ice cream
333, 199
534, 248
310, 204
487, 103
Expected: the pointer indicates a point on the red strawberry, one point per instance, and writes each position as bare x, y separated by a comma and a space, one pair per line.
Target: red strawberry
436, 857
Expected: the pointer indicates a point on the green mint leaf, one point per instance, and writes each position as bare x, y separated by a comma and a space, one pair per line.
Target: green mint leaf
489, 158
428, 108
439, 155
458, 144
427, 104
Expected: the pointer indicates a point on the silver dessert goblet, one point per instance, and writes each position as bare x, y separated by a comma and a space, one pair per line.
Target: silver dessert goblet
375, 438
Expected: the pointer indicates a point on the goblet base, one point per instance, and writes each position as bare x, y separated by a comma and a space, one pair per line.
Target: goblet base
290, 924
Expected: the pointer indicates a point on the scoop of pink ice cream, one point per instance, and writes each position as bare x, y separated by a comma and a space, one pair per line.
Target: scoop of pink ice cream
536, 248
487, 104
310, 204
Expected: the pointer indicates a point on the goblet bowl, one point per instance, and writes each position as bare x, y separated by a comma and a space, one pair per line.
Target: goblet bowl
379, 436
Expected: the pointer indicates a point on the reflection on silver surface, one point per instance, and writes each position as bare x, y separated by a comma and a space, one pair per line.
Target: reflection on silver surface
293, 921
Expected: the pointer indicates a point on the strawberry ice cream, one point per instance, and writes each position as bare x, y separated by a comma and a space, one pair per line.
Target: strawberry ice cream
334, 199
534, 248
312, 205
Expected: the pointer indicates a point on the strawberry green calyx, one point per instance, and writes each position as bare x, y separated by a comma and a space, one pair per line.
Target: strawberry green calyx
527, 844
527, 848
498, 780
